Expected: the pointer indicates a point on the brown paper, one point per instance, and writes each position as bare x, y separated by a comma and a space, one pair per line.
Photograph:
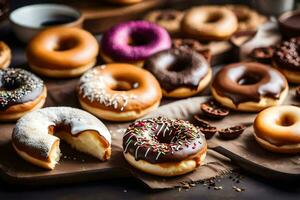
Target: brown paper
62, 93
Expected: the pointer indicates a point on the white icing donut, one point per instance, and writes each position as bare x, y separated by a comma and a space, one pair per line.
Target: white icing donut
33, 137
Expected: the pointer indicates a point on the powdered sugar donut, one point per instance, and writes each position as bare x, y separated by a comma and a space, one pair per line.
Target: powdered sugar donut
34, 140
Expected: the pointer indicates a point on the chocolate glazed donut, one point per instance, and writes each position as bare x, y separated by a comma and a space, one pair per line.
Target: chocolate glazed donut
162, 140
179, 68
287, 59
20, 92
18, 86
255, 85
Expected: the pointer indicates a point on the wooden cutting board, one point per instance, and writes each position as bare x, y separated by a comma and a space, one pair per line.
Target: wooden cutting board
100, 15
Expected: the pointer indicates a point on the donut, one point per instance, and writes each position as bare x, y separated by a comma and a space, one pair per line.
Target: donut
277, 129
249, 86
37, 135
248, 19
209, 23
62, 52
164, 147
133, 42
187, 43
20, 92
286, 59
5, 55
118, 92
168, 19
180, 72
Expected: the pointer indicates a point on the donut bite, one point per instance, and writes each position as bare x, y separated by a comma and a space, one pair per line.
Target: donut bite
164, 147
20, 92
180, 72
118, 92
36, 136
62, 52
286, 58
249, 86
277, 129
132, 42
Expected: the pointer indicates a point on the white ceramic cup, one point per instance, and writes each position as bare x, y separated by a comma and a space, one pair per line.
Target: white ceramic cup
27, 21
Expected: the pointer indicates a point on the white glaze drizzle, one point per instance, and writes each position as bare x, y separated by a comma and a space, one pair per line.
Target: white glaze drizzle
32, 129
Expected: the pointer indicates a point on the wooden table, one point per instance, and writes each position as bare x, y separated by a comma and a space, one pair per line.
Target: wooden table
255, 187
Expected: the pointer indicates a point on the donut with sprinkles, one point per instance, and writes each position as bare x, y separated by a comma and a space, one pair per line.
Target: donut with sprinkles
20, 92
164, 147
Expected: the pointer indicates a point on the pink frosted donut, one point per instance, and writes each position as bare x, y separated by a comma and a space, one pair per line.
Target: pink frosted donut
133, 42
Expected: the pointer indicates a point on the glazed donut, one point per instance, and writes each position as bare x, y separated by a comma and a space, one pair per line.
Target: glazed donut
118, 92
20, 92
249, 86
62, 52
164, 147
277, 129
180, 72
286, 59
133, 42
5, 55
248, 19
168, 19
36, 136
209, 23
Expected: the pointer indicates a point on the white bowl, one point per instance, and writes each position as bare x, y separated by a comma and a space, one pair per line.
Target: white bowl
27, 21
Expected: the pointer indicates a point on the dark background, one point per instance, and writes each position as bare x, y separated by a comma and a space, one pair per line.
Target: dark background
129, 188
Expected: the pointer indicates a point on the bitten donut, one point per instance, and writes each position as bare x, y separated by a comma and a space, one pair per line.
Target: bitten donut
249, 86
168, 19
36, 136
118, 92
5, 55
277, 129
209, 23
180, 72
248, 19
20, 92
62, 52
286, 59
164, 147
133, 42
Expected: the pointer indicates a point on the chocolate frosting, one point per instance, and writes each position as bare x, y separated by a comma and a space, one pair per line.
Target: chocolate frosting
18, 86
161, 140
287, 54
244, 82
176, 68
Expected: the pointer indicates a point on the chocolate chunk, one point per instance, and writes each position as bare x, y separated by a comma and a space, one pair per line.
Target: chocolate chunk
206, 128
231, 132
214, 110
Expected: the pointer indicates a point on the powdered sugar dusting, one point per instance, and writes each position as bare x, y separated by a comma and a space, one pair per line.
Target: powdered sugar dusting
32, 129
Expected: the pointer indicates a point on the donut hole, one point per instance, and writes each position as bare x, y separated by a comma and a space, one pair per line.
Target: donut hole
243, 18
213, 18
166, 136
125, 85
286, 120
11, 85
65, 44
139, 38
249, 79
179, 65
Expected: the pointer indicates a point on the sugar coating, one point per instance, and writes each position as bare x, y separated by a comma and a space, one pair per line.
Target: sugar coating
32, 130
